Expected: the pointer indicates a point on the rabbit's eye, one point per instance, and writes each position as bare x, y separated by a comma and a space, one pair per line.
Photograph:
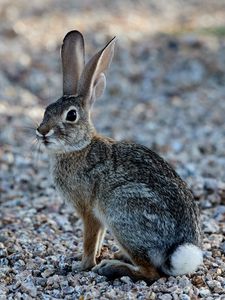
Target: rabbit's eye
71, 115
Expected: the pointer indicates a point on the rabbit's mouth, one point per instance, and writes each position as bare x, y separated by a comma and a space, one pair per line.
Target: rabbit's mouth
46, 142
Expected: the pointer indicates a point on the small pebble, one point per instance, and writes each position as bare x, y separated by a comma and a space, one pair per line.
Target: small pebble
166, 297
204, 292
184, 297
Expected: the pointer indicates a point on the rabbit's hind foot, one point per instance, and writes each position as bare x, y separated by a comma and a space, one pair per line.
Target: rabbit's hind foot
115, 269
120, 255
112, 268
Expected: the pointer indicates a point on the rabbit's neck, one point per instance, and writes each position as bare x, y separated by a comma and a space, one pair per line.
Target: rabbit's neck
71, 175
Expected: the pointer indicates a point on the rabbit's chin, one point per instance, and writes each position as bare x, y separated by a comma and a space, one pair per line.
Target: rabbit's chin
61, 147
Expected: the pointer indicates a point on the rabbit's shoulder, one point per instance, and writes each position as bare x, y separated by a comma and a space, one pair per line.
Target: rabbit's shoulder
125, 161
130, 156
137, 157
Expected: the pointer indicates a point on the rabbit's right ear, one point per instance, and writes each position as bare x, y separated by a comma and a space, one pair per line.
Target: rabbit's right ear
72, 53
92, 82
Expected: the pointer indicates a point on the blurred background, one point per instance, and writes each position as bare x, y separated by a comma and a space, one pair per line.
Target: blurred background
165, 89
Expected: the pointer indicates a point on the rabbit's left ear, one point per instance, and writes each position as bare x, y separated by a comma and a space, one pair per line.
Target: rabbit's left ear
92, 82
72, 53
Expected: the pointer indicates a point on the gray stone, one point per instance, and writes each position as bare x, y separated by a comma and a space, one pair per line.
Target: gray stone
48, 272
204, 292
28, 286
184, 297
210, 226
165, 297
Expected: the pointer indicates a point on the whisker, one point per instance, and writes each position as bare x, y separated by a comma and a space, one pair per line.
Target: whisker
26, 130
36, 154
64, 137
33, 144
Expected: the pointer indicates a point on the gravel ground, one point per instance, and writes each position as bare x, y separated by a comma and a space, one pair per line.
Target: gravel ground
165, 90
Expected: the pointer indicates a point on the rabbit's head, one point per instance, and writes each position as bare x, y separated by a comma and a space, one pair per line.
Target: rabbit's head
66, 125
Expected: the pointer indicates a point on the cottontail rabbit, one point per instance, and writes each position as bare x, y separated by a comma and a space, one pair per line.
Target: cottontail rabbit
119, 185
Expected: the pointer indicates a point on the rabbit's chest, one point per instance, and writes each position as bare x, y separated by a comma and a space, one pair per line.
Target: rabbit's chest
72, 185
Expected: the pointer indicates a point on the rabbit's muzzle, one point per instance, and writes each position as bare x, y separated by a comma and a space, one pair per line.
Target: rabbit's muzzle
43, 133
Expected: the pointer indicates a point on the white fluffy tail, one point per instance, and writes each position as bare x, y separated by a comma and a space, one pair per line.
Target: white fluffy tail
185, 259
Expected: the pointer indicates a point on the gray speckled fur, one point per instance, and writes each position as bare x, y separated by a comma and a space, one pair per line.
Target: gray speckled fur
146, 205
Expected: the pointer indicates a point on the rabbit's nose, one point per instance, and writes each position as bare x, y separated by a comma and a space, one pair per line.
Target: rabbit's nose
44, 131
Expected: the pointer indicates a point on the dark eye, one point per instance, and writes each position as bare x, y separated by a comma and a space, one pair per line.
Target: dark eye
71, 115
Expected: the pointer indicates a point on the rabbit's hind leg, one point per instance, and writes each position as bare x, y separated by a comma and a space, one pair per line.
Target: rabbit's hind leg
115, 269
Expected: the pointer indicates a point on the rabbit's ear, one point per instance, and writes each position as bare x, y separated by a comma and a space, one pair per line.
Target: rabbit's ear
72, 53
92, 82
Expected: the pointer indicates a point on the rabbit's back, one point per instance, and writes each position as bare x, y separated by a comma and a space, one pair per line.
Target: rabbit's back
118, 163
142, 199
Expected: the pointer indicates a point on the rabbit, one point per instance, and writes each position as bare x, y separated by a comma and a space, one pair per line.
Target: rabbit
121, 186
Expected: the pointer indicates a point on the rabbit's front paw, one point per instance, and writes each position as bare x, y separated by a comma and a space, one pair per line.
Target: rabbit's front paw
84, 265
